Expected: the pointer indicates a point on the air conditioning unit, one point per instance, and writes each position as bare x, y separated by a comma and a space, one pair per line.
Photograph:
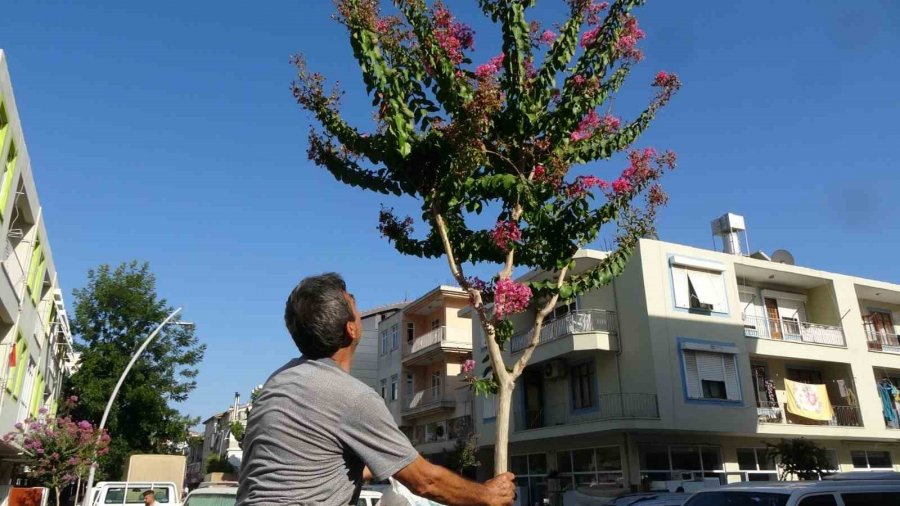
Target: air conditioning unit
555, 369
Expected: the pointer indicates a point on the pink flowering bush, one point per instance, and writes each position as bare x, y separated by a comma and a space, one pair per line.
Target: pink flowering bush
521, 136
58, 449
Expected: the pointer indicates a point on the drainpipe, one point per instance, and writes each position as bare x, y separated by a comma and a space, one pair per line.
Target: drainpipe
618, 346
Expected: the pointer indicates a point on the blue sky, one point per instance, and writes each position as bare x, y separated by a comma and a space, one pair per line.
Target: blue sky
165, 131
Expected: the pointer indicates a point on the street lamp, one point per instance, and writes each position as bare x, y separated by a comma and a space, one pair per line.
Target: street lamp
115, 392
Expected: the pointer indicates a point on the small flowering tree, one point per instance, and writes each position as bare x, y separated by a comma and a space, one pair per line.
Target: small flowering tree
499, 138
58, 449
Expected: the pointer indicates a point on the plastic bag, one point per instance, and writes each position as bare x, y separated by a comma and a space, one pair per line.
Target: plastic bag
399, 495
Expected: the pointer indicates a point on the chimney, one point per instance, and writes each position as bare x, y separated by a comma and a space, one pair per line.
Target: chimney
728, 228
237, 403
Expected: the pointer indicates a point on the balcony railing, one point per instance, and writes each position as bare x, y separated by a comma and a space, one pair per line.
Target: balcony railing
793, 330
444, 430
608, 407
577, 322
776, 412
424, 399
883, 341
14, 267
444, 336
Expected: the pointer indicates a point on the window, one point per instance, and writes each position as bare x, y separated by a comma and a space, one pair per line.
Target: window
395, 336
435, 324
664, 462
410, 332
436, 378
36, 270
871, 498
590, 466
9, 168
870, 459
488, 407
710, 375
583, 379
757, 463
561, 310
410, 389
818, 500
531, 474
384, 389
394, 388
384, 342
698, 286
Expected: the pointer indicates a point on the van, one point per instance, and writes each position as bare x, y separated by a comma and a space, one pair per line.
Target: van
132, 492
842, 489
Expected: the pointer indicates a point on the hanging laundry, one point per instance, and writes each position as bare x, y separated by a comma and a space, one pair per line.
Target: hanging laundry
808, 401
886, 392
842, 387
770, 391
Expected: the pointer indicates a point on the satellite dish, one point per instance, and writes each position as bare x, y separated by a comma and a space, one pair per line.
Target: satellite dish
783, 256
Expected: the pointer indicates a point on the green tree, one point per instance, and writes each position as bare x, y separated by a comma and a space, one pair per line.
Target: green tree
499, 138
114, 313
801, 458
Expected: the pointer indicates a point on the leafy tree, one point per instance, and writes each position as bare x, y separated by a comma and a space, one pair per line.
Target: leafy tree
801, 458
237, 430
499, 138
464, 456
58, 449
217, 464
114, 314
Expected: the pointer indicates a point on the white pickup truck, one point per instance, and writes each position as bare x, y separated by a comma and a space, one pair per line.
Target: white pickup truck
132, 492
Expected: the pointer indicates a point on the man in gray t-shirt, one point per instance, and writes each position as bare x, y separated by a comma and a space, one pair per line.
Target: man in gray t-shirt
315, 432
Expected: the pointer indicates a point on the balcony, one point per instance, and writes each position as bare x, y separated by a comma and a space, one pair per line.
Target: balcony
427, 401
609, 407
793, 330
776, 413
444, 430
578, 322
882, 341
426, 348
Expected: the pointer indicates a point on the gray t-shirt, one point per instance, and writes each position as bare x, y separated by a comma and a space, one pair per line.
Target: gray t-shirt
310, 433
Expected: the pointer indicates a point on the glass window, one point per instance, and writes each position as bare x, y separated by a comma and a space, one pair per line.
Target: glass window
583, 385
583, 461
818, 500
735, 498
410, 332
871, 498
564, 462
519, 465
537, 463
879, 459
394, 388
591, 466
712, 458
395, 336
746, 459
713, 389
114, 496
384, 389
686, 458
609, 459
655, 458
211, 500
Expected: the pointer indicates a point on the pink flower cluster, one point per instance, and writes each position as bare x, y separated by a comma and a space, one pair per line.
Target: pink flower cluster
491, 68
592, 123
583, 184
468, 366
626, 45
547, 37
644, 165
392, 228
665, 79
382, 25
510, 298
454, 37
593, 12
590, 36
505, 233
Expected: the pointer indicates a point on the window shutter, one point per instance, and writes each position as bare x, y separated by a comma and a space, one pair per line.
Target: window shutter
718, 283
710, 366
704, 286
691, 375
680, 287
732, 385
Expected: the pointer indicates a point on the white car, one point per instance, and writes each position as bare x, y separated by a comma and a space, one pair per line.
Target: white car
842, 489
225, 494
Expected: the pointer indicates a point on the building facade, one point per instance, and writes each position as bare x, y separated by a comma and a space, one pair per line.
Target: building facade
421, 349
218, 441
682, 370
365, 360
35, 341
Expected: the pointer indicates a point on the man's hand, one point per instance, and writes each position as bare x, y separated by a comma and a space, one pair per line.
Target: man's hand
503, 489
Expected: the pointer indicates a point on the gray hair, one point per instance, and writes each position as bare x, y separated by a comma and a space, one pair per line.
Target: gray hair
316, 315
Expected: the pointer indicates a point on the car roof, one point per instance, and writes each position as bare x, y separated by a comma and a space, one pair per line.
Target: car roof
788, 487
214, 491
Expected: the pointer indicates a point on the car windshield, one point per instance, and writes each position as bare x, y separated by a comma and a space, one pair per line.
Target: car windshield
738, 498
211, 500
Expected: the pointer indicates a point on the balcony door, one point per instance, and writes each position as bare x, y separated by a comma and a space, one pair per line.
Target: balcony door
774, 318
533, 393
881, 324
808, 376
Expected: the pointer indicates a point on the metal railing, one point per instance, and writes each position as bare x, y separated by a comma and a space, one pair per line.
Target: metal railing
607, 407
427, 398
579, 321
443, 430
793, 330
776, 412
878, 341
446, 336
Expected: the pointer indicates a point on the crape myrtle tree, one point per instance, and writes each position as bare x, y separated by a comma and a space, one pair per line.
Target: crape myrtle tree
500, 138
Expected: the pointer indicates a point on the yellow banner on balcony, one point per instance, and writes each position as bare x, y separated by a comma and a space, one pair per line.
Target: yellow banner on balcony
808, 401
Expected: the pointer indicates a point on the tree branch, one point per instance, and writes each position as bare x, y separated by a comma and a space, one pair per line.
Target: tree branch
538, 322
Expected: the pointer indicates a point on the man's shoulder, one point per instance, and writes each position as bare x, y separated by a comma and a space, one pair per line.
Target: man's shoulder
318, 374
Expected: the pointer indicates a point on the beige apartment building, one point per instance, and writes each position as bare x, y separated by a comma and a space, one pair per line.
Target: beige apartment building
35, 341
680, 372
421, 349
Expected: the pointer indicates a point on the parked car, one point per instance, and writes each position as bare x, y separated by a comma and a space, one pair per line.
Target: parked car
132, 492
221, 493
650, 499
842, 489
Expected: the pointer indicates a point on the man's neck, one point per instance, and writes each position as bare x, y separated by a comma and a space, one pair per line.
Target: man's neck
344, 358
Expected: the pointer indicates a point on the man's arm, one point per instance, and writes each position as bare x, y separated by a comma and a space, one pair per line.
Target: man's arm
441, 485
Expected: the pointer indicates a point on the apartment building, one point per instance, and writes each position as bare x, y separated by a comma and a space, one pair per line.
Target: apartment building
365, 360
680, 372
219, 440
421, 349
35, 341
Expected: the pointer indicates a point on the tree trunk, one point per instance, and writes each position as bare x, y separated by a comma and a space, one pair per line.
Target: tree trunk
77, 491
501, 445
56, 489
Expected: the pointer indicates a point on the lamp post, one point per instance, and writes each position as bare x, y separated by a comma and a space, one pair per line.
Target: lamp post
90, 481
